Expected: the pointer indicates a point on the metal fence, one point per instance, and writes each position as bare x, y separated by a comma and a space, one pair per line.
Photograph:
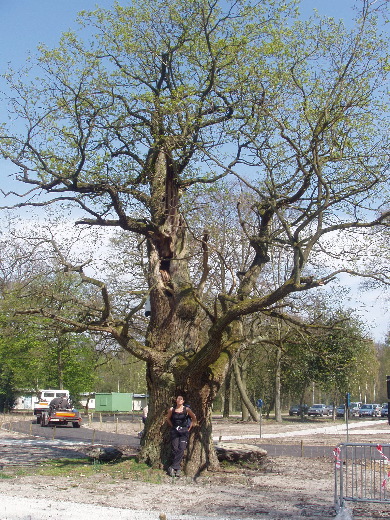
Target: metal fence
362, 473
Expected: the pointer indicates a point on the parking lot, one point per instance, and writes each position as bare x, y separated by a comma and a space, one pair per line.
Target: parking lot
356, 410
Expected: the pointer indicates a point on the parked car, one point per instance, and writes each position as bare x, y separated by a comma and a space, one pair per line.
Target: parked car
330, 407
340, 410
370, 410
385, 410
354, 408
366, 410
297, 409
318, 410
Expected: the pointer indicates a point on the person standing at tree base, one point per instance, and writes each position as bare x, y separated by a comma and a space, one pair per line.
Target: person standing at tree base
177, 419
145, 411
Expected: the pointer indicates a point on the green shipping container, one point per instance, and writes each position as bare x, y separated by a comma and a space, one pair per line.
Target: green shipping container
113, 402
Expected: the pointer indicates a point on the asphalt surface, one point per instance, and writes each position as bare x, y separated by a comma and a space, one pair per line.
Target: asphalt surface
74, 435
62, 436
64, 441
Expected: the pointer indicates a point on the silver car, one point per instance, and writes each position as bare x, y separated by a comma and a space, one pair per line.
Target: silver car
354, 408
318, 410
370, 410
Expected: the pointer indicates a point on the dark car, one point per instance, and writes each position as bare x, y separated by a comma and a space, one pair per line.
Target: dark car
297, 409
385, 410
340, 410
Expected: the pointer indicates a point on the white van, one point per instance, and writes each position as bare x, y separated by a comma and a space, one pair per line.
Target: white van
44, 397
354, 408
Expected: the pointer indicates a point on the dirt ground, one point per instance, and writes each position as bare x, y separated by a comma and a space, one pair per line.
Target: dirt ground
284, 488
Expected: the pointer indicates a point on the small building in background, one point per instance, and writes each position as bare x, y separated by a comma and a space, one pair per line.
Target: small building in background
24, 402
113, 402
87, 400
139, 401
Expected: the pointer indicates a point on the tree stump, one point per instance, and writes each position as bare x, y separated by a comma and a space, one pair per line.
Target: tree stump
233, 452
103, 454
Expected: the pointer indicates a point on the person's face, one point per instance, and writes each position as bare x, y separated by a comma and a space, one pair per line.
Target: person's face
179, 400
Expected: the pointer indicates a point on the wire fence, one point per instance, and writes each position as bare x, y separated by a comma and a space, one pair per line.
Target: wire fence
362, 473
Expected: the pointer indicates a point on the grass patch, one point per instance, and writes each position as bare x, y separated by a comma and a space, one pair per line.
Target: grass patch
4, 476
124, 469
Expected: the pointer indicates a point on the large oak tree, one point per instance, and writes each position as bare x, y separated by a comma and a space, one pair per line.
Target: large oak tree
165, 100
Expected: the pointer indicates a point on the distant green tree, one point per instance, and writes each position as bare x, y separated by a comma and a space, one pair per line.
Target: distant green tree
8, 391
39, 353
383, 351
328, 351
21, 352
121, 372
336, 352
31, 359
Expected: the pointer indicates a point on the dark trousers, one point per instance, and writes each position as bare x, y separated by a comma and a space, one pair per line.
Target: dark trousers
179, 444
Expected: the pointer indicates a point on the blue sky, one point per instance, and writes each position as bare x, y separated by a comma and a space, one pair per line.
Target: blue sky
25, 24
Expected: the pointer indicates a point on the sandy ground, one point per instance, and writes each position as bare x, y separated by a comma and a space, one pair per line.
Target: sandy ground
285, 488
